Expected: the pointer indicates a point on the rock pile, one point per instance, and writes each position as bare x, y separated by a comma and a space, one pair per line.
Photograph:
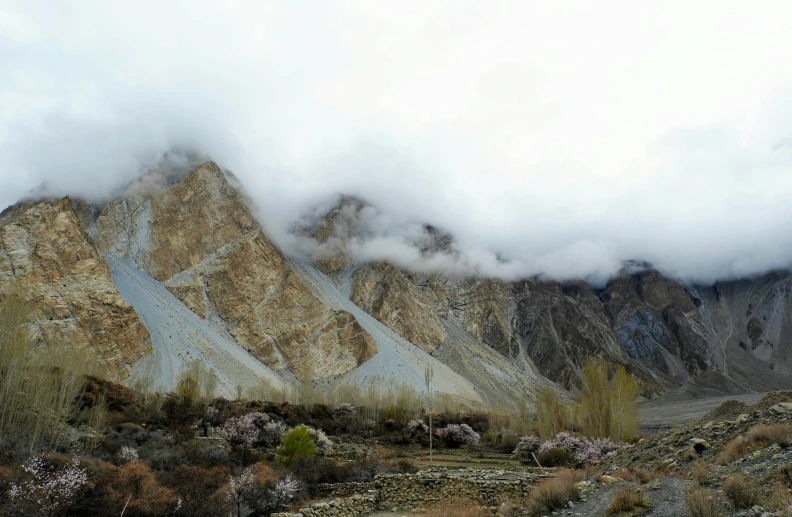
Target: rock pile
346, 507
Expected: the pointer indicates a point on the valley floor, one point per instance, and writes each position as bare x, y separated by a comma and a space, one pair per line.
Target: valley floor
665, 413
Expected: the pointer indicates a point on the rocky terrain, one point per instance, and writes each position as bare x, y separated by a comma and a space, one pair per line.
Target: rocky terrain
96, 276
730, 337
47, 256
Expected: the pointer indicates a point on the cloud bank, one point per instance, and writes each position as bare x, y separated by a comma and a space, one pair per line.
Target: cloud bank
556, 139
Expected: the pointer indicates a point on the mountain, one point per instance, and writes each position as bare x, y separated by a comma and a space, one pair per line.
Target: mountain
176, 268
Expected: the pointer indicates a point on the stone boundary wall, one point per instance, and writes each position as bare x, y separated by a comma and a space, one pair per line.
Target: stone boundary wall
487, 488
346, 507
343, 489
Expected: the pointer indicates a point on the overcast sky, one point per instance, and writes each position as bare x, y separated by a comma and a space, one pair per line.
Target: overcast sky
564, 136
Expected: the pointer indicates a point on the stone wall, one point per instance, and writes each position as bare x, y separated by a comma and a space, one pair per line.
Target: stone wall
487, 487
343, 489
346, 507
425, 488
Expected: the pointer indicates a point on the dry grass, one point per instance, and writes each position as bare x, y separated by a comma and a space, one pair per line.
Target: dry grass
626, 500
759, 436
553, 494
740, 492
661, 471
699, 472
702, 502
780, 499
458, 510
635, 475
590, 472
734, 450
767, 434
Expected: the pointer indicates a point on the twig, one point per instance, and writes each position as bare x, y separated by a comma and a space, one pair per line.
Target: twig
125, 506
537, 461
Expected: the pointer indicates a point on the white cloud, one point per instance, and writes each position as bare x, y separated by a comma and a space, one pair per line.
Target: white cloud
562, 137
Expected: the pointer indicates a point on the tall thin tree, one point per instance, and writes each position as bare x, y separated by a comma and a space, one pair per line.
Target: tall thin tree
428, 376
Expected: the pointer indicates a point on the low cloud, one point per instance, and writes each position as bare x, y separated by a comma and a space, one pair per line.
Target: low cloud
546, 140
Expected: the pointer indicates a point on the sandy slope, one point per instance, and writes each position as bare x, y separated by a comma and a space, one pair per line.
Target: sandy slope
179, 336
498, 381
397, 360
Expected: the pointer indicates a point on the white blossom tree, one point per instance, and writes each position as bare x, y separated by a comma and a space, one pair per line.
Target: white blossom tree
238, 489
48, 491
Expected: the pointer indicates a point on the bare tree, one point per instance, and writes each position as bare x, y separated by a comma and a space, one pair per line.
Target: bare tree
428, 376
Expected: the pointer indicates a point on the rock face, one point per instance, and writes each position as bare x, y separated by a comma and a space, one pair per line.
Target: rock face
48, 256
199, 238
387, 293
195, 234
727, 338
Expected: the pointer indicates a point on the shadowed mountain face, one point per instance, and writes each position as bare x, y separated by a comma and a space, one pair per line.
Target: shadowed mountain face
191, 246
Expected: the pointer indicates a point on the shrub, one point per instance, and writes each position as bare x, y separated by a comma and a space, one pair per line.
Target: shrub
526, 447
734, 450
48, 489
553, 494
315, 470
135, 487
128, 454
702, 502
584, 450
627, 500
508, 442
767, 434
457, 435
740, 492
344, 410
556, 458
296, 443
417, 429
244, 431
324, 445
636, 475
699, 472
198, 488
759, 436
272, 433
781, 500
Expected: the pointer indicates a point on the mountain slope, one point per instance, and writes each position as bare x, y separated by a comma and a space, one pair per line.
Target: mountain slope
46, 255
727, 338
198, 236
206, 283
180, 337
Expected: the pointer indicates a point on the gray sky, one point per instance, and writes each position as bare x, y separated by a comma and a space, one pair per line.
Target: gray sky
565, 136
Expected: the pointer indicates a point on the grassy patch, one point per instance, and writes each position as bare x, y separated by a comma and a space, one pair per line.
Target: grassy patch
702, 502
553, 494
628, 502
758, 437
740, 492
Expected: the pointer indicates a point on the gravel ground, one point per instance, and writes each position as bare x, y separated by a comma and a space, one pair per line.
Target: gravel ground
665, 496
661, 415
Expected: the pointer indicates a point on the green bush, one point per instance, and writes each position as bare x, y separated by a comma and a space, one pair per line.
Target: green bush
556, 458
296, 443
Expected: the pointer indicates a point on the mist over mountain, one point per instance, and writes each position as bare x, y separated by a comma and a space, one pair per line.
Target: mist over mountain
546, 140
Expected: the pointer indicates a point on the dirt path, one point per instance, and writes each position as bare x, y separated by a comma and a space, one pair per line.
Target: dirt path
665, 495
